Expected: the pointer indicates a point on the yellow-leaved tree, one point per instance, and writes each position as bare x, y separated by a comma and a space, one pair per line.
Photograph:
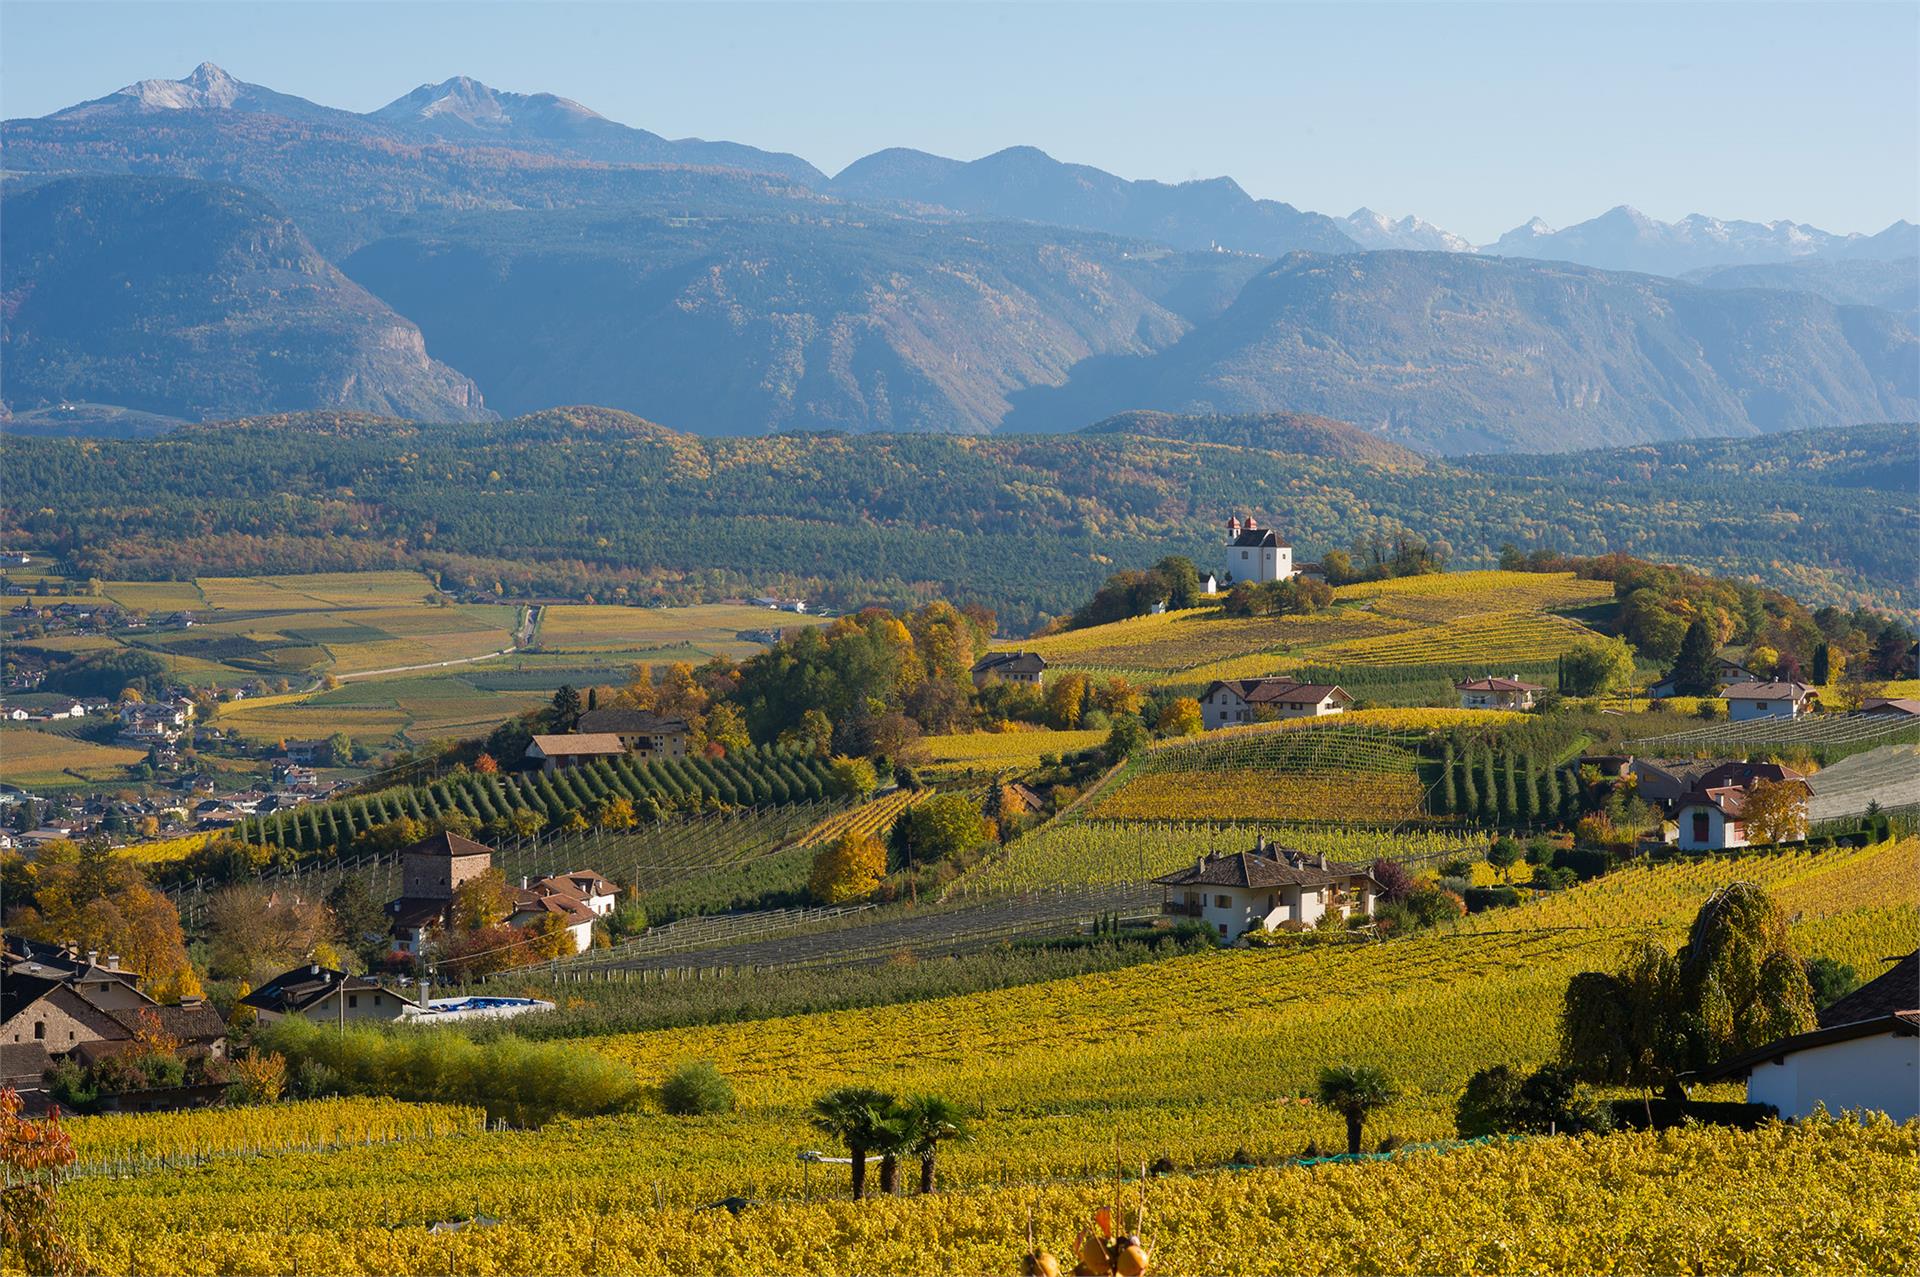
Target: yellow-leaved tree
847, 869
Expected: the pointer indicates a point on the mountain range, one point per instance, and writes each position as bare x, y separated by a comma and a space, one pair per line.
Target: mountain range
554, 256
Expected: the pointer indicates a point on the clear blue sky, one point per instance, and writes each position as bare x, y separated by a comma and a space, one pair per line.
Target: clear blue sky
1474, 116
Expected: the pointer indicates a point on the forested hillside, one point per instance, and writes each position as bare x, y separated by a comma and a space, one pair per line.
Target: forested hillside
587, 501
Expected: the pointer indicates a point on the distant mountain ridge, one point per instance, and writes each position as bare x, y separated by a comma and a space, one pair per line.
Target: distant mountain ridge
1026, 183
1453, 353
195, 300
1623, 238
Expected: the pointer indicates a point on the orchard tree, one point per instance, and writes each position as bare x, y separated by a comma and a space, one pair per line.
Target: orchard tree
847, 869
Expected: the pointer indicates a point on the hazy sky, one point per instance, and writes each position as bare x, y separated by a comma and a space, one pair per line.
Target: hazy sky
1474, 116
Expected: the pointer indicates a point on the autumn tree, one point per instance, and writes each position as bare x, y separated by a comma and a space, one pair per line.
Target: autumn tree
1066, 700
481, 901
615, 813
32, 1154
854, 778
94, 898
1596, 666
1180, 717
1776, 811
847, 869
254, 934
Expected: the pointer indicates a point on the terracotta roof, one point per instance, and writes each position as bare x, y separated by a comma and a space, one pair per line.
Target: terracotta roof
446, 844
1269, 867
1264, 691
566, 904
1773, 691
627, 722
578, 744
1491, 684
585, 882
1891, 705
1898, 989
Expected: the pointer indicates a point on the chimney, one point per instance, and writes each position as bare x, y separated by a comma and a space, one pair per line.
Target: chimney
313, 968
426, 993
1323, 860
1199, 862
93, 957
113, 962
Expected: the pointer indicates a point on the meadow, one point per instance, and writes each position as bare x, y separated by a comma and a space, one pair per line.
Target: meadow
662, 633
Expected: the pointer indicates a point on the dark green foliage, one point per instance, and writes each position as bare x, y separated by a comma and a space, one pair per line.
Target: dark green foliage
106, 674
1489, 790
1480, 899
696, 1090
1693, 673
1547, 1101
1448, 795
1830, 980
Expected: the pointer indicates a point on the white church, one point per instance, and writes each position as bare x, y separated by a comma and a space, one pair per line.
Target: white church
1254, 554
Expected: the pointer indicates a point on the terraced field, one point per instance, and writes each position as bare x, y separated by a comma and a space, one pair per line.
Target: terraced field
1490, 639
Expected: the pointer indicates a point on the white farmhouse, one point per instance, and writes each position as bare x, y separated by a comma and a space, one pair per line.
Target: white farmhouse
1747, 701
1255, 554
1497, 693
1714, 818
1267, 888
1251, 700
1865, 1056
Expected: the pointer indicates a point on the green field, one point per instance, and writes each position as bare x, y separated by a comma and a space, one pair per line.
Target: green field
661, 633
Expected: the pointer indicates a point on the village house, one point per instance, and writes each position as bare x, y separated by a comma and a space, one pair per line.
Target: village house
1254, 554
431, 870
328, 996
1748, 701
1029, 668
68, 1003
1253, 700
579, 898
1497, 693
558, 752
1724, 672
1863, 1057
1713, 818
1890, 707
1668, 782
1268, 888
642, 733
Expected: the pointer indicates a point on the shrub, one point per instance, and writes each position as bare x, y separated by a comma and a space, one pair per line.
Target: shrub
1480, 899
1586, 863
696, 1090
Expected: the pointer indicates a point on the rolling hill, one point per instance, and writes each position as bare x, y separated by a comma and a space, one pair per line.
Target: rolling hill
1282, 432
591, 501
196, 300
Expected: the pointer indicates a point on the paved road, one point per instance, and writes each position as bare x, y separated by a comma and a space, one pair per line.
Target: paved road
430, 665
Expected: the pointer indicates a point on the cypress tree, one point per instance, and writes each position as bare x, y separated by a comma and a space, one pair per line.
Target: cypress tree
1569, 797
1509, 788
1549, 795
1529, 809
1449, 791
1469, 793
1489, 790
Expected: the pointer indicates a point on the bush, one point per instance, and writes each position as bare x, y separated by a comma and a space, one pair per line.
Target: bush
1586, 863
517, 1081
1480, 899
696, 1090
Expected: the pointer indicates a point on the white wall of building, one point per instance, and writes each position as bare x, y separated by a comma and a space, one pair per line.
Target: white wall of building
1741, 711
1881, 1072
1721, 833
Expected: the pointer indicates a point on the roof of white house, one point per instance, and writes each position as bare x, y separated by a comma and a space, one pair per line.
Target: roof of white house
1260, 691
1267, 865
1770, 691
1492, 684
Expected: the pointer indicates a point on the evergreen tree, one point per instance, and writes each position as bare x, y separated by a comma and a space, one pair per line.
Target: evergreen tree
1822, 664
1510, 789
1449, 793
1528, 810
1469, 792
1489, 790
1693, 667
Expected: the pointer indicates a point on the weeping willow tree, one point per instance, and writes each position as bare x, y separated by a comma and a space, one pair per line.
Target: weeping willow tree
1733, 986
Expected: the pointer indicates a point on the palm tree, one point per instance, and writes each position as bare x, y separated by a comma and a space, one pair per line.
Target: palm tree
932, 1120
854, 1115
1353, 1091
